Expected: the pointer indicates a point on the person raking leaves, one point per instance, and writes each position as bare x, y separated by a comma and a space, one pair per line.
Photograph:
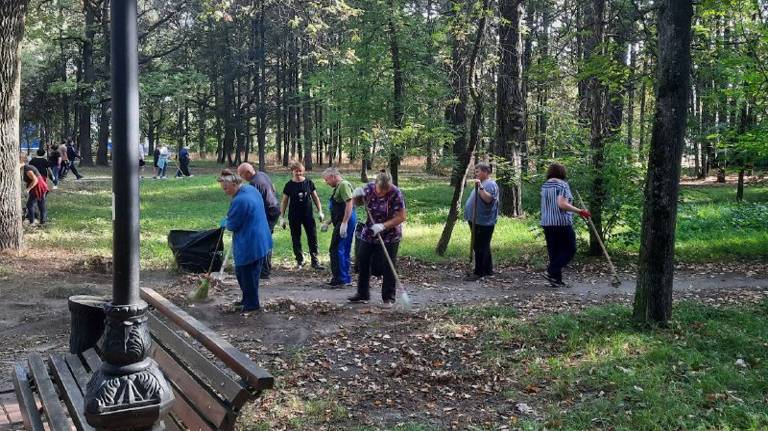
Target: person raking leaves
251, 239
557, 222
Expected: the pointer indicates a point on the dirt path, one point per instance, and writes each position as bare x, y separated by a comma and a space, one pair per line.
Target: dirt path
303, 331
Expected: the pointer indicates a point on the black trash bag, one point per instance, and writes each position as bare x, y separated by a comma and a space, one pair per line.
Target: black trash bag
194, 250
377, 260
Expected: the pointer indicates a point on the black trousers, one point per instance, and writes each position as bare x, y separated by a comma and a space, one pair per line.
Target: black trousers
367, 253
183, 169
561, 247
482, 249
266, 269
308, 222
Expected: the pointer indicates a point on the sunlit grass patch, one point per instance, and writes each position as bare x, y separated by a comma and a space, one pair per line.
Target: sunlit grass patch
706, 371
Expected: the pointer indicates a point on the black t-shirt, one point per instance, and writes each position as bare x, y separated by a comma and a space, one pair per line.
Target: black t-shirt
28, 168
53, 157
300, 197
41, 164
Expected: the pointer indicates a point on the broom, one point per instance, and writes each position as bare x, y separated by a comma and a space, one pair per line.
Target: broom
201, 292
402, 295
615, 281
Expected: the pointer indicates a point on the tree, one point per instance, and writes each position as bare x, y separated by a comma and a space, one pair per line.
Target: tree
510, 109
653, 294
11, 32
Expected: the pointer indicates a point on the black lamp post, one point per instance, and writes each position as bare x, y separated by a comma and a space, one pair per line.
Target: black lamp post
129, 392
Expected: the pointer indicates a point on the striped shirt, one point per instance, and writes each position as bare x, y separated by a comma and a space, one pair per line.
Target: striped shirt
551, 214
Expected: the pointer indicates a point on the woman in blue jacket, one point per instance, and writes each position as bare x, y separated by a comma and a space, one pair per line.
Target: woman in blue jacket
251, 240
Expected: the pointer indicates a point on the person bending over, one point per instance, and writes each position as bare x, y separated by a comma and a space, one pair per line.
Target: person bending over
385, 206
251, 240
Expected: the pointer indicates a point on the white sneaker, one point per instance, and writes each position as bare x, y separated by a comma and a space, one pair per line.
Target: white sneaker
55, 187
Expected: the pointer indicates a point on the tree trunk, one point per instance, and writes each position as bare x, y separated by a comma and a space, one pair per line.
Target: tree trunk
653, 294
597, 96
306, 115
102, 152
398, 107
631, 97
474, 136
456, 111
740, 185
11, 34
510, 107
89, 79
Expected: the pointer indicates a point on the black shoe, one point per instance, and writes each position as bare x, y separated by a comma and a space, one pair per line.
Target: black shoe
357, 298
473, 277
238, 303
264, 276
389, 302
317, 266
552, 280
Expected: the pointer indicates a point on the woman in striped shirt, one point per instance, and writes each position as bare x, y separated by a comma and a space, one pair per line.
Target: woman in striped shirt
557, 222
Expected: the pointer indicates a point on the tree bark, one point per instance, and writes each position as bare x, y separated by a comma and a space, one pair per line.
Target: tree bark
597, 96
476, 124
11, 33
510, 107
398, 103
653, 294
89, 79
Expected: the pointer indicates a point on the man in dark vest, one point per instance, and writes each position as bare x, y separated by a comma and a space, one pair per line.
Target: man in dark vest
263, 184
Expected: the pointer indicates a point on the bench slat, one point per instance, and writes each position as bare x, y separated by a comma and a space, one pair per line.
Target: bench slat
92, 359
257, 377
171, 425
29, 413
70, 392
78, 371
57, 418
197, 363
187, 414
207, 404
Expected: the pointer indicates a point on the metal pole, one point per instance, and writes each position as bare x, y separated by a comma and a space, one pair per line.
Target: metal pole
128, 392
125, 139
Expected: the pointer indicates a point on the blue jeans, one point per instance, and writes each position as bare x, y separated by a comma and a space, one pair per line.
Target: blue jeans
561, 247
248, 279
32, 201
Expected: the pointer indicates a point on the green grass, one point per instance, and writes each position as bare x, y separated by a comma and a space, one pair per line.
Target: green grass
712, 226
599, 371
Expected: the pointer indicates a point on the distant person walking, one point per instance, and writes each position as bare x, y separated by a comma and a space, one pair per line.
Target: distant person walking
36, 188
264, 186
142, 162
298, 195
557, 222
482, 220
251, 240
64, 167
155, 160
73, 155
162, 162
344, 220
385, 206
54, 157
183, 163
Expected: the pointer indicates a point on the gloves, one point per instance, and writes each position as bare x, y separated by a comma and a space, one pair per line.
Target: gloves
281, 221
377, 229
343, 230
324, 227
585, 214
358, 193
321, 216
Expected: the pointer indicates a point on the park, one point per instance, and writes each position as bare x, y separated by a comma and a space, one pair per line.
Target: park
554, 214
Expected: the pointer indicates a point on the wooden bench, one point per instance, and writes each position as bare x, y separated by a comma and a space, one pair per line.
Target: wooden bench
50, 390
